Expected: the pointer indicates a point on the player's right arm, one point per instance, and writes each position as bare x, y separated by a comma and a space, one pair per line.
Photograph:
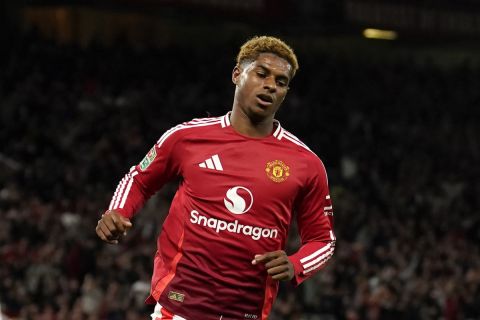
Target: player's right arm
160, 165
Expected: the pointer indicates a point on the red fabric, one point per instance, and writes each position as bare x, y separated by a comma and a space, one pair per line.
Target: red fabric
236, 199
166, 315
163, 282
271, 289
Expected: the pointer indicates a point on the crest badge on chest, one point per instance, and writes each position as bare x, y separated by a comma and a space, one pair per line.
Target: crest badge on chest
277, 171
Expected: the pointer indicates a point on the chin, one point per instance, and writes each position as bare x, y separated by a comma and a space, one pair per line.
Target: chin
258, 113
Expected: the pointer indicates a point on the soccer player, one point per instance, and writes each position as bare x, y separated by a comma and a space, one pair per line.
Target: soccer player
243, 179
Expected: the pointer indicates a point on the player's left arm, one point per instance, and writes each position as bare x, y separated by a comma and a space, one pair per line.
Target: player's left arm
315, 225
315, 221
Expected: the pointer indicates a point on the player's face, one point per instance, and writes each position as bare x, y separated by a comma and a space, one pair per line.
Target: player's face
261, 85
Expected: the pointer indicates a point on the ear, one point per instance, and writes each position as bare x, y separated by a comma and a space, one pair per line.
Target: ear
236, 74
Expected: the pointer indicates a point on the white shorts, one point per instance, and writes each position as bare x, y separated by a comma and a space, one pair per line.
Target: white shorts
160, 313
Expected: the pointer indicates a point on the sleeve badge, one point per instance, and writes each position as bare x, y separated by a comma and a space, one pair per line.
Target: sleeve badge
148, 159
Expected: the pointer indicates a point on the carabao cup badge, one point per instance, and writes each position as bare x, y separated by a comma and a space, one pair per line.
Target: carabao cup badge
277, 171
148, 159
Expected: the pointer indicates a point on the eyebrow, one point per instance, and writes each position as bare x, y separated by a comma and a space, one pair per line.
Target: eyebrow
282, 76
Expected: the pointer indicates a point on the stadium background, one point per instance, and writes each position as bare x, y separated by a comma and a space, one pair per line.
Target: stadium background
86, 87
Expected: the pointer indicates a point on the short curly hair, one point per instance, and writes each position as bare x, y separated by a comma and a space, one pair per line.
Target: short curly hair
250, 50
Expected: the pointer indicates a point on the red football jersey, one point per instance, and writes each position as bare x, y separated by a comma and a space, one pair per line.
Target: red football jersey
236, 199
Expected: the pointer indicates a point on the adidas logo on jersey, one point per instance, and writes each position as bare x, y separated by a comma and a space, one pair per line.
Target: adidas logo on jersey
212, 163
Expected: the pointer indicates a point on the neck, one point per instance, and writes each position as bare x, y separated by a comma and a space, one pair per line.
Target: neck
247, 126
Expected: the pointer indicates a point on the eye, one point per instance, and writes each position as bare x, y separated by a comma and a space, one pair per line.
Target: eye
261, 74
281, 83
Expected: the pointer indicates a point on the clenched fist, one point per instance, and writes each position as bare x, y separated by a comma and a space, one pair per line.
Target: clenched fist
112, 226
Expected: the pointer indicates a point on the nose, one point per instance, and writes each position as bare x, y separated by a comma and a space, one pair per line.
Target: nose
269, 84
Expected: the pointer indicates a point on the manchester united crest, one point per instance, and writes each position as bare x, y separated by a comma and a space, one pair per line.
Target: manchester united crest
277, 171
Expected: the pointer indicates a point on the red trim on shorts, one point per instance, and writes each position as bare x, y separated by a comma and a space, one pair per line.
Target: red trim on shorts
162, 284
166, 315
268, 300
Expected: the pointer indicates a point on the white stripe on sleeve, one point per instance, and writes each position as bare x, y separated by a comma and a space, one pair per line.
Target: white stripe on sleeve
127, 191
320, 258
330, 253
120, 192
316, 253
115, 194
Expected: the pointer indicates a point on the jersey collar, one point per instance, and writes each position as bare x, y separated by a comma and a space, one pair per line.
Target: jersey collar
277, 133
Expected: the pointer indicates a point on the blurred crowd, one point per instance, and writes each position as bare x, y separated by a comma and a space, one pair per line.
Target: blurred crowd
399, 139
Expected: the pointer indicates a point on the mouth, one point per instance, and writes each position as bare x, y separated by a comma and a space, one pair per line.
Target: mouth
265, 99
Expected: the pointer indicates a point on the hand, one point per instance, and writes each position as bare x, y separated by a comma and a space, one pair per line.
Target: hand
112, 226
277, 263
